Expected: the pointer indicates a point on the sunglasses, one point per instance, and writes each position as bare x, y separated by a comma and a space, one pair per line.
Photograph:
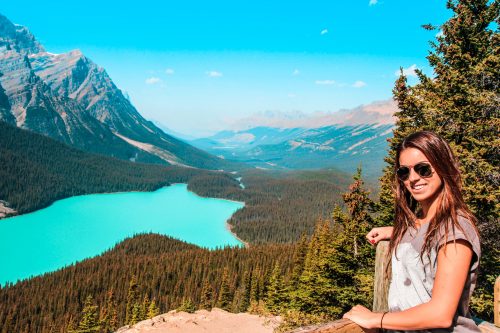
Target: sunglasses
423, 169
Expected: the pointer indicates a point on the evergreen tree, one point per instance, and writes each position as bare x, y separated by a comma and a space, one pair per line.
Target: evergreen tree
206, 296
299, 261
255, 286
276, 296
316, 292
132, 298
241, 299
247, 289
187, 306
460, 103
359, 221
109, 315
339, 262
225, 298
135, 315
144, 308
153, 309
89, 322
352, 258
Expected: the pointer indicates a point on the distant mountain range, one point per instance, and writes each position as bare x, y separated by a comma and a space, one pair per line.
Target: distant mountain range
352, 138
69, 98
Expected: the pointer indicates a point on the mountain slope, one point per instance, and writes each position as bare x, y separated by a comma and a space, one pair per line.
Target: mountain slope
71, 99
37, 170
341, 146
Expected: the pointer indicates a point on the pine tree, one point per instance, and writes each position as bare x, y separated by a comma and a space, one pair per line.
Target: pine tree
359, 222
247, 288
276, 296
135, 315
109, 316
144, 308
153, 309
187, 305
316, 293
89, 322
225, 298
255, 286
206, 296
299, 261
132, 298
460, 103
241, 299
338, 265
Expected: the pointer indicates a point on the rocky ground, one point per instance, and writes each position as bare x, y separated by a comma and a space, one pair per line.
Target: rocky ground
4, 211
215, 321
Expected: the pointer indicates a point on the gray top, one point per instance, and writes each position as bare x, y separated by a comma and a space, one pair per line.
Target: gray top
413, 278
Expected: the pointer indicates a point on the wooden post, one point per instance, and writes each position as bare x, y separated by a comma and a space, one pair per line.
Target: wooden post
496, 299
338, 326
382, 280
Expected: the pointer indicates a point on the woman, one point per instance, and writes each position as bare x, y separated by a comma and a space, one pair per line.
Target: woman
434, 244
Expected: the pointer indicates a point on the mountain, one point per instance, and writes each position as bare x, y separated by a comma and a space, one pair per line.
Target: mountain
71, 99
352, 137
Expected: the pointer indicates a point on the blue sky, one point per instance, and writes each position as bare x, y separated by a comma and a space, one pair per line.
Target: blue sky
196, 66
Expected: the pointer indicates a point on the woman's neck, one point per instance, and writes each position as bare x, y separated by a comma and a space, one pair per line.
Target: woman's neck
428, 211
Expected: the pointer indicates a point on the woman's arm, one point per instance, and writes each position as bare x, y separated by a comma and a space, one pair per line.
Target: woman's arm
377, 234
452, 269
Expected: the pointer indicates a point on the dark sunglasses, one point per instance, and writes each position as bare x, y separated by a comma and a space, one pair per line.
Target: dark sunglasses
423, 169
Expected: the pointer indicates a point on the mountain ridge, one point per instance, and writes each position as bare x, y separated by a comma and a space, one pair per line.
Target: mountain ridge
341, 146
73, 100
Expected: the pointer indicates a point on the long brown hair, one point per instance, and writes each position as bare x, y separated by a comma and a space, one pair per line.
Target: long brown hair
450, 204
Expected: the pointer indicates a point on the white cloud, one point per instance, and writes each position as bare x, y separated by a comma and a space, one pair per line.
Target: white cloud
324, 31
169, 71
153, 80
214, 74
295, 72
410, 71
325, 82
359, 84
372, 2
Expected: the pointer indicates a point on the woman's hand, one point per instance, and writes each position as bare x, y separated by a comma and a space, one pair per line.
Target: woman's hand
377, 234
364, 317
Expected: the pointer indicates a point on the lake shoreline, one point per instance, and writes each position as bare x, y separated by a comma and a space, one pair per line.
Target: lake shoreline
230, 227
99, 221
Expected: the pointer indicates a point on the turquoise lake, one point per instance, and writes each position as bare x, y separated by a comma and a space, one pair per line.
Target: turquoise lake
81, 227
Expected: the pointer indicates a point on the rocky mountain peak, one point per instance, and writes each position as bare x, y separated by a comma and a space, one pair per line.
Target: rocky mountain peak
71, 99
17, 37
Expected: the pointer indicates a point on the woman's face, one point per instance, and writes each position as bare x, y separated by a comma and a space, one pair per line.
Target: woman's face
425, 188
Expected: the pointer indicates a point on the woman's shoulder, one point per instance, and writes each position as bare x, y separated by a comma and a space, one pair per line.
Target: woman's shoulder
464, 229
462, 226
467, 225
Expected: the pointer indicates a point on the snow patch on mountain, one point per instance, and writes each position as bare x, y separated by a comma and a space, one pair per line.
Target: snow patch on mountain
361, 142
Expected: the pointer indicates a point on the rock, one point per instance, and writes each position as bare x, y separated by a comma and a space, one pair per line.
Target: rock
215, 321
